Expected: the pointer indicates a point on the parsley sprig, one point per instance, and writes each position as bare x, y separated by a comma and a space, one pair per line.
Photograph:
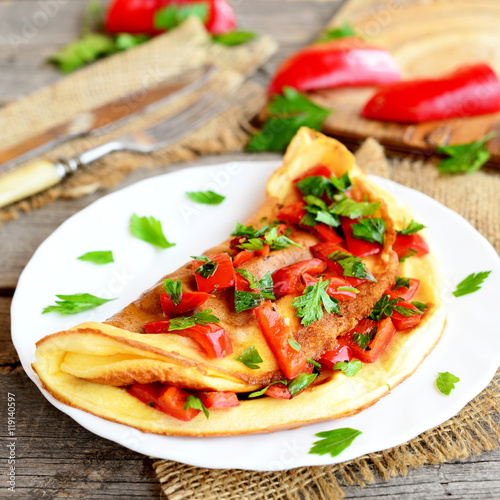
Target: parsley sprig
385, 306
371, 229
173, 289
149, 230
98, 257
250, 358
334, 442
446, 382
196, 404
208, 268
205, 197
313, 300
256, 238
351, 265
471, 284
411, 228
73, 304
264, 289
201, 318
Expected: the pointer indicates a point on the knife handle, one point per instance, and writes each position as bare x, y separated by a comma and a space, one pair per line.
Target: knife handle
19, 183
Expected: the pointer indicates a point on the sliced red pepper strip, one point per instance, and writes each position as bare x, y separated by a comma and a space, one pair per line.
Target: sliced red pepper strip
292, 213
405, 293
338, 63
147, 393
337, 354
277, 334
242, 257
172, 400
278, 391
468, 91
323, 250
223, 277
317, 170
189, 301
410, 245
326, 233
287, 279
402, 322
358, 247
211, 337
331, 290
385, 332
215, 399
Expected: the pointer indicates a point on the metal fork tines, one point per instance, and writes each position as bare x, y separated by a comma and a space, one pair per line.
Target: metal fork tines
163, 133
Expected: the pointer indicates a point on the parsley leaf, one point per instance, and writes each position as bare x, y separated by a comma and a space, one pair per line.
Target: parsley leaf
363, 339
270, 234
301, 382
314, 185
262, 391
401, 283
242, 230
318, 212
246, 300
173, 289
196, 404
351, 265
446, 382
310, 304
411, 253
287, 113
371, 229
411, 228
343, 31
353, 209
201, 318
277, 241
265, 285
252, 244
250, 358
294, 344
471, 284
208, 268
73, 304
348, 368
149, 230
385, 306
125, 41
465, 158
174, 15
334, 442
104, 257
206, 197
232, 38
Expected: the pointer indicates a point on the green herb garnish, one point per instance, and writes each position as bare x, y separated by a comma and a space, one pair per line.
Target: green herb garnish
234, 38
343, 31
208, 268
301, 382
262, 391
351, 265
471, 284
206, 197
265, 285
173, 289
371, 229
174, 15
348, 368
446, 382
351, 208
196, 404
73, 304
100, 257
201, 318
250, 358
411, 228
401, 283
149, 230
334, 442
310, 304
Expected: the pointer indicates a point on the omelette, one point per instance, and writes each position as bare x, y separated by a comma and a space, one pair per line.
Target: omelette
265, 331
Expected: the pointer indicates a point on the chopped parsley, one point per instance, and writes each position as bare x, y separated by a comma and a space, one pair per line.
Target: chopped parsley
73, 304
196, 404
301, 382
385, 306
250, 358
471, 284
348, 368
446, 382
256, 238
99, 257
343, 31
371, 229
351, 265
401, 282
208, 268
173, 289
411, 228
205, 197
334, 442
310, 304
232, 38
353, 209
149, 230
201, 318
174, 15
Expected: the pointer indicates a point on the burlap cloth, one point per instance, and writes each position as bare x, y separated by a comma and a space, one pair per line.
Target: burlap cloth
474, 430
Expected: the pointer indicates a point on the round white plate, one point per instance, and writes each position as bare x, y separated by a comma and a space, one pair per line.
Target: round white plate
470, 347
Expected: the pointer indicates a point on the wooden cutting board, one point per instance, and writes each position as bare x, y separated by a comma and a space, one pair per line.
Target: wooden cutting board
428, 38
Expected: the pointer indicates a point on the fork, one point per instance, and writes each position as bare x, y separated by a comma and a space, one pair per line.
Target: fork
43, 174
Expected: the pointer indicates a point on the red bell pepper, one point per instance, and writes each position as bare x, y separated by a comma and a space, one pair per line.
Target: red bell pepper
468, 91
385, 330
215, 399
278, 391
147, 393
223, 277
277, 335
332, 289
404, 293
318, 170
323, 250
409, 245
357, 246
338, 63
402, 322
326, 233
172, 400
337, 354
292, 213
188, 302
242, 257
211, 337
287, 279
137, 16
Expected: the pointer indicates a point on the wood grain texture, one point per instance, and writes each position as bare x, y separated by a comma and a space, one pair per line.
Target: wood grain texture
56, 458
427, 39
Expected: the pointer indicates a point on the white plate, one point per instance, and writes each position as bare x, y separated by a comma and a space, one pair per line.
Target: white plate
470, 347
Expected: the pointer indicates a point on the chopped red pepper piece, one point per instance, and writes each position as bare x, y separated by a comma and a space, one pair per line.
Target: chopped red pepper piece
337, 354
323, 250
188, 302
292, 213
404, 293
326, 233
287, 279
147, 393
211, 337
278, 391
216, 399
223, 277
172, 400
358, 247
468, 91
344, 62
410, 245
242, 257
385, 330
277, 335
402, 322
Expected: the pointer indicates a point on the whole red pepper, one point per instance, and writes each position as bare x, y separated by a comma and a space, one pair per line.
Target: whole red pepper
137, 16
337, 63
468, 91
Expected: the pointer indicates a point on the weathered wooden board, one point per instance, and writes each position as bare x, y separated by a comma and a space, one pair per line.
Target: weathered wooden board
427, 39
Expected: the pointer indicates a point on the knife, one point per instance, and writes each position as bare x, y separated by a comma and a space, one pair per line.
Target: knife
104, 118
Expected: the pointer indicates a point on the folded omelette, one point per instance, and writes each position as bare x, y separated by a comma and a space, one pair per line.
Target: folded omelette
97, 367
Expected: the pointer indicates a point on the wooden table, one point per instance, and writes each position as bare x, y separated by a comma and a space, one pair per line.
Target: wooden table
55, 457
